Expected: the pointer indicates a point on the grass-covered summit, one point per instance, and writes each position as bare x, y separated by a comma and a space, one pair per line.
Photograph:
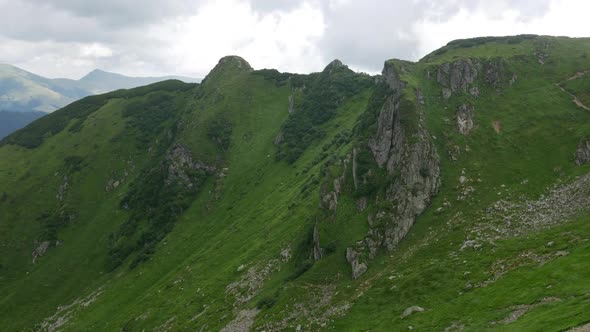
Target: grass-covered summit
447, 194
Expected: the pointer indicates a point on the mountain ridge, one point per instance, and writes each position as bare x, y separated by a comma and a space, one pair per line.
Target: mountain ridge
45, 94
444, 194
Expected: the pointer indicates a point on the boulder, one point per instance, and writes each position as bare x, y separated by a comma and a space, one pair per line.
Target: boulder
358, 268
411, 310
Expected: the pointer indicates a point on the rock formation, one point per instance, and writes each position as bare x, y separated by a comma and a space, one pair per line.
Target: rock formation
465, 119
405, 151
583, 152
457, 76
412, 155
181, 168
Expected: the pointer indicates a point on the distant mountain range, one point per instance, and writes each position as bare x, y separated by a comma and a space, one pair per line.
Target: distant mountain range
22, 91
11, 121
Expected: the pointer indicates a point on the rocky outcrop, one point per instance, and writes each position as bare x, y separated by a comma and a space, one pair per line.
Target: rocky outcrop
227, 66
40, 250
495, 72
334, 66
332, 187
317, 249
291, 104
180, 167
465, 119
411, 155
457, 76
63, 188
243, 321
233, 61
583, 152
354, 168
329, 200
358, 267
462, 75
403, 148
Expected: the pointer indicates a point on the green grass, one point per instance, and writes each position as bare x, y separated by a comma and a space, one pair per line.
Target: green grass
261, 205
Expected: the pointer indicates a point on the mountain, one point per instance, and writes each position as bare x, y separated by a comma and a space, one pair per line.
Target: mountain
21, 91
11, 121
24, 92
445, 194
98, 81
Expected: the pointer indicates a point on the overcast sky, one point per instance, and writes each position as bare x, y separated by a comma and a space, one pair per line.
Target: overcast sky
68, 38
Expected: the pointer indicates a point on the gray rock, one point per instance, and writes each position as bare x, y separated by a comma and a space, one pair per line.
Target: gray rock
465, 119
317, 250
457, 76
583, 152
63, 189
412, 156
494, 72
242, 322
354, 177
513, 79
411, 310
361, 204
179, 167
291, 104
358, 268
279, 138
40, 250
286, 254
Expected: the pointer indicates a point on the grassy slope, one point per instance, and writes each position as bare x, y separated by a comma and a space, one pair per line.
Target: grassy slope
183, 285
540, 129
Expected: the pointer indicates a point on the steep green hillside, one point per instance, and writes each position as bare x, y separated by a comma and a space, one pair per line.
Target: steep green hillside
447, 194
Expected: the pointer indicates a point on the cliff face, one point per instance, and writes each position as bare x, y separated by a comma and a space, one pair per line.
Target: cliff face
403, 149
410, 154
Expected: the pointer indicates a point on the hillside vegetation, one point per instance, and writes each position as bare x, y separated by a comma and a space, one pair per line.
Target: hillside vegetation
447, 194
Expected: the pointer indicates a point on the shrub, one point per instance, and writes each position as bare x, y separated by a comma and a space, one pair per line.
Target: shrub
301, 268
267, 301
273, 75
219, 131
324, 93
73, 164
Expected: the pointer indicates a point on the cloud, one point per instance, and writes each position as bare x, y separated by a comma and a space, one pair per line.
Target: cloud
558, 17
151, 37
120, 13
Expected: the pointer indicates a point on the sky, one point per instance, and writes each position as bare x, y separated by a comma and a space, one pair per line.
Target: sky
69, 38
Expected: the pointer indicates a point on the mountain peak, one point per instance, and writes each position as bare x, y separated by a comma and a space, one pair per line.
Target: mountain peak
98, 73
335, 65
234, 61
229, 64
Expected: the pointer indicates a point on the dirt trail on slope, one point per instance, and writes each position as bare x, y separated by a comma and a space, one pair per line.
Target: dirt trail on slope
574, 98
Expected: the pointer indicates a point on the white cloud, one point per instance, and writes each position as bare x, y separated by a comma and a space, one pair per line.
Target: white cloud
275, 39
95, 50
146, 37
563, 17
